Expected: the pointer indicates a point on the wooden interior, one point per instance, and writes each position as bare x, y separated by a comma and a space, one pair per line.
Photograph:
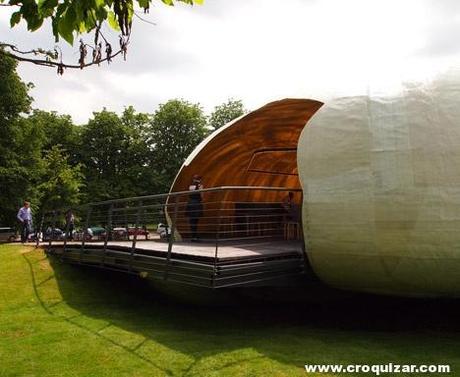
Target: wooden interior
257, 150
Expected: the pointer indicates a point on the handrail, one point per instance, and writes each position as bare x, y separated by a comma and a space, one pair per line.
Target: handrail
187, 192
222, 219
180, 193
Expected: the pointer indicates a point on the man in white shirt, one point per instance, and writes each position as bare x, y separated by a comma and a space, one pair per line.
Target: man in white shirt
25, 218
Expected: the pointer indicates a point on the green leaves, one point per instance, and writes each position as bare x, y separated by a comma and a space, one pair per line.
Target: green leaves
60, 182
46, 7
70, 17
66, 25
112, 20
144, 3
177, 128
15, 18
225, 113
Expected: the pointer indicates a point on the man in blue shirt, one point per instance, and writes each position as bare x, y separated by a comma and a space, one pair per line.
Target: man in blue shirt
25, 218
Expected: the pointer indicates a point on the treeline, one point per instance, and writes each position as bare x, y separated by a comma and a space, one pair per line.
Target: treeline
47, 159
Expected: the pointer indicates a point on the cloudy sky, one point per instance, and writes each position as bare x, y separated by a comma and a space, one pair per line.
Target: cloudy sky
254, 50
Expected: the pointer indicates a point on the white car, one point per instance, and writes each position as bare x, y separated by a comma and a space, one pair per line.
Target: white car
164, 231
119, 233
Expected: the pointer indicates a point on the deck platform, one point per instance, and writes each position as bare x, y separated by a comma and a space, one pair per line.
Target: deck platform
237, 262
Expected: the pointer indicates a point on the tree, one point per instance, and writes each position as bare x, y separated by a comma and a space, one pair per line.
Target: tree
57, 130
15, 155
178, 127
144, 177
70, 18
103, 149
116, 155
14, 98
60, 183
225, 113
34, 162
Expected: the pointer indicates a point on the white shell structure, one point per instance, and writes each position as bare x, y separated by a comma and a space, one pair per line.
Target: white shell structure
381, 183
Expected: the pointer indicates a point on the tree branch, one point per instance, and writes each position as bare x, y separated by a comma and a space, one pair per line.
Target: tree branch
51, 59
51, 63
144, 20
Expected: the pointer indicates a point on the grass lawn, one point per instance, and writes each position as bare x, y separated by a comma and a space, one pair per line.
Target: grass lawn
60, 320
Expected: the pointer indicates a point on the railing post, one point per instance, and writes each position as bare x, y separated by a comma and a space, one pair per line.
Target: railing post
53, 226
107, 233
171, 237
136, 226
85, 231
144, 223
67, 227
37, 235
126, 223
216, 253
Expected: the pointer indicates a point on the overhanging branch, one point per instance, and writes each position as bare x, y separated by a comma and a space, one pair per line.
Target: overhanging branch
54, 58
51, 63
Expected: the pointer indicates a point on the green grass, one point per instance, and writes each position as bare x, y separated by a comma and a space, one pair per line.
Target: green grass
61, 320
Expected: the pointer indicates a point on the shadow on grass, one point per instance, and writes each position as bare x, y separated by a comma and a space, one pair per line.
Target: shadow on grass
292, 326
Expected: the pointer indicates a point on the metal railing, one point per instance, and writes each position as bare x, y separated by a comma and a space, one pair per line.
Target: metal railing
221, 217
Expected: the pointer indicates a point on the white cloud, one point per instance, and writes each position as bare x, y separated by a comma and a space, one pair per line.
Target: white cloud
257, 51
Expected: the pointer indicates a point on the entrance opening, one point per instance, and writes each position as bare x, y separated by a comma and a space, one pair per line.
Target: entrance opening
257, 150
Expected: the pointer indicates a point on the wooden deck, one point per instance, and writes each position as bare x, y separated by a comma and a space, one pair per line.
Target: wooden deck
238, 263
202, 251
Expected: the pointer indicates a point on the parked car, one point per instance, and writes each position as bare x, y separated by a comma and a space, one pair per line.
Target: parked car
7, 234
139, 232
78, 235
95, 233
119, 233
55, 234
164, 231
33, 237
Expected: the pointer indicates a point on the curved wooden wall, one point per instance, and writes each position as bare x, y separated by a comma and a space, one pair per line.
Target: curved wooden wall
259, 149
225, 160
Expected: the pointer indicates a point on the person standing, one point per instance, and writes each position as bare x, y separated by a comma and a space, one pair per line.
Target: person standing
70, 223
291, 208
194, 208
25, 218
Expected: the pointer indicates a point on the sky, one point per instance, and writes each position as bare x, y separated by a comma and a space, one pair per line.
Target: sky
254, 50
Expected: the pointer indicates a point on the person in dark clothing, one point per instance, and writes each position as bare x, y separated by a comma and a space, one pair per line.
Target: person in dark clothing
291, 208
194, 209
70, 224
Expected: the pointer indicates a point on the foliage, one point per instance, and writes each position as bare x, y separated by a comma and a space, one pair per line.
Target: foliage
117, 159
46, 159
178, 127
14, 154
57, 130
142, 176
34, 164
225, 113
14, 98
60, 182
70, 18
104, 144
